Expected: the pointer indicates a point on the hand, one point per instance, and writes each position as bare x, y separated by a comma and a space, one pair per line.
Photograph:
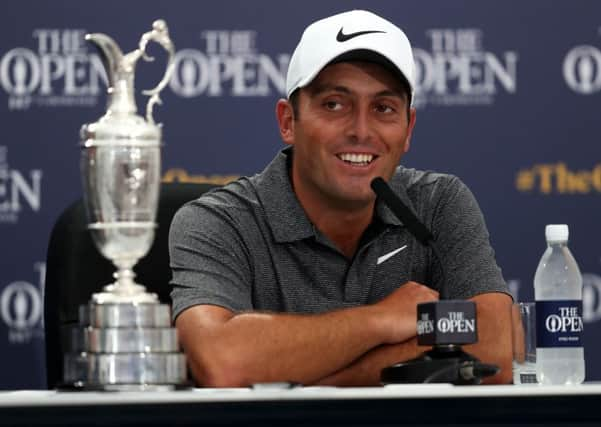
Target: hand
399, 310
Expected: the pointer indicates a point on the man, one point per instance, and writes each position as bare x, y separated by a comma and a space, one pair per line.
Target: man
299, 273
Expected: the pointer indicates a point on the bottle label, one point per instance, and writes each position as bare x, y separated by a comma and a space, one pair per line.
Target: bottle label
558, 323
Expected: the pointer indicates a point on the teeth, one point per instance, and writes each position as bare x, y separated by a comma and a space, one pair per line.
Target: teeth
362, 159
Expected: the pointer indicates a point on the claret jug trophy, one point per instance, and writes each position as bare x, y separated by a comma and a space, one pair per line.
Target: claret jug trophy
124, 340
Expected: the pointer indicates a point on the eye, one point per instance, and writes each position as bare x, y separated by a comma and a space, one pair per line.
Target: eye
332, 105
384, 108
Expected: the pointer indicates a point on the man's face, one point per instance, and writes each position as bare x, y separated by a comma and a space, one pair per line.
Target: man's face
352, 126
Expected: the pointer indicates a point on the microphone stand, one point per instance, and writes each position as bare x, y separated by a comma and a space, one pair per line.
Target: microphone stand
445, 324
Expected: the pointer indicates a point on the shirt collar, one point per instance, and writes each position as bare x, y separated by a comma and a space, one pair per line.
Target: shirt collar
285, 215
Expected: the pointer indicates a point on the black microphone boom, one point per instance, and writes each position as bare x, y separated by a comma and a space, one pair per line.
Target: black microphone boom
414, 225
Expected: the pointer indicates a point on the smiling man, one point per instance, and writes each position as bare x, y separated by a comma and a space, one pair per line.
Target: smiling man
300, 273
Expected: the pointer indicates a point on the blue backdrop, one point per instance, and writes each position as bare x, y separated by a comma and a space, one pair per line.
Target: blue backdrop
508, 99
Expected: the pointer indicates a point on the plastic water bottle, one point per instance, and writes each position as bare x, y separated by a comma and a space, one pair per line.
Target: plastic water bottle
558, 295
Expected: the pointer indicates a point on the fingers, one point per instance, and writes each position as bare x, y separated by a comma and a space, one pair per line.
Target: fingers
416, 293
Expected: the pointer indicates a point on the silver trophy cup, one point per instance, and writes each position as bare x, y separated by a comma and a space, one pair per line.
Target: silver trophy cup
124, 340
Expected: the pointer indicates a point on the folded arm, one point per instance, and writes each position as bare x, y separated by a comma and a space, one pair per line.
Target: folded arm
493, 346
366, 370
226, 349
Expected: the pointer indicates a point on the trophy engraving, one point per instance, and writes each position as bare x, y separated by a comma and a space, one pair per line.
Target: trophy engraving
124, 340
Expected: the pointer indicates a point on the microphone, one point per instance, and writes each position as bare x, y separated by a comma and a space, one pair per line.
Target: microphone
445, 324
402, 212
414, 225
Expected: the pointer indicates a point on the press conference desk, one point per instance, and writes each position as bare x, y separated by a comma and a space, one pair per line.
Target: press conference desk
406, 405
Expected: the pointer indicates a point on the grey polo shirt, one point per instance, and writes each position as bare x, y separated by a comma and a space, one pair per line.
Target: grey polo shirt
250, 246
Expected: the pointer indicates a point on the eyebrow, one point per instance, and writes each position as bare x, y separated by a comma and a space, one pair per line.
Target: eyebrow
321, 88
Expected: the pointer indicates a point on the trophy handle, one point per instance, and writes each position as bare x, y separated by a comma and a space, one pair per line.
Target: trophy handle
110, 54
160, 35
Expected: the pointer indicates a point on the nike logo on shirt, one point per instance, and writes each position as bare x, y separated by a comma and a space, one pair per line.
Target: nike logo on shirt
341, 37
389, 255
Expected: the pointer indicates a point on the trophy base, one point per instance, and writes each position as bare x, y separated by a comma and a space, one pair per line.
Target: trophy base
128, 315
135, 294
80, 386
123, 346
136, 368
142, 370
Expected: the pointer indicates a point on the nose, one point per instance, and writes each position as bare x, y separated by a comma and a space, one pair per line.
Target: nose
360, 129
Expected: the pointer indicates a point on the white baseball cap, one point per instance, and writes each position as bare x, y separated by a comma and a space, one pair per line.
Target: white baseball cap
354, 35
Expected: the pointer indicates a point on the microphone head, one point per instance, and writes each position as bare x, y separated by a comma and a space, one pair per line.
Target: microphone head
377, 183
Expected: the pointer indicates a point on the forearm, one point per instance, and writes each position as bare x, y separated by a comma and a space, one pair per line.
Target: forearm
225, 349
263, 347
366, 370
494, 335
494, 346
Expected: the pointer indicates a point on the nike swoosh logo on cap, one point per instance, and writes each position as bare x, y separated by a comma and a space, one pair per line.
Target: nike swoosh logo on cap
341, 37
389, 255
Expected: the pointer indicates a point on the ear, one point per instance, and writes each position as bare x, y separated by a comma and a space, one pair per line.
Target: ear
285, 117
410, 126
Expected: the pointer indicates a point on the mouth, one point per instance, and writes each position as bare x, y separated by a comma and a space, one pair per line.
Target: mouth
357, 159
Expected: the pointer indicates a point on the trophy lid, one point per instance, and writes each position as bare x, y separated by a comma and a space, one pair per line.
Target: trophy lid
121, 124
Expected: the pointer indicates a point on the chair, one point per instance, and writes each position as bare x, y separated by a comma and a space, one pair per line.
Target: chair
75, 269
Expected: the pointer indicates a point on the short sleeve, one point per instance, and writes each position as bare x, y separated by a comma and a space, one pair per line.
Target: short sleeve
209, 260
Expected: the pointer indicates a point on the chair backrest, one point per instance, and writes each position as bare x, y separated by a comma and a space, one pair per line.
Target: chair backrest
75, 269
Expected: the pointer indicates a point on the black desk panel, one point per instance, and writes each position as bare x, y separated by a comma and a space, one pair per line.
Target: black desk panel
336, 407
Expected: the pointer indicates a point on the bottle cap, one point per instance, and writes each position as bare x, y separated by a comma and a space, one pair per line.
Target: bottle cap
557, 233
